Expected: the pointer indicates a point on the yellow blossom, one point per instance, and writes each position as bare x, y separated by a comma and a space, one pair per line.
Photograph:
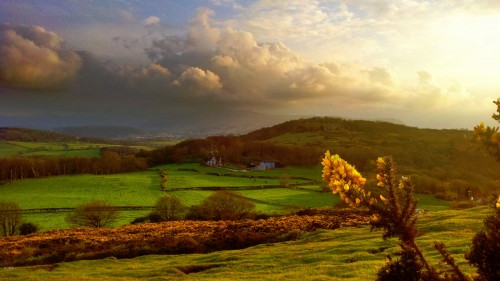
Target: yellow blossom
380, 163
383, 198
343, 179
498, 202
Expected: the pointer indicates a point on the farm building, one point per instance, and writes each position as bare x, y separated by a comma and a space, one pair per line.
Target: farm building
265, 165
213, 162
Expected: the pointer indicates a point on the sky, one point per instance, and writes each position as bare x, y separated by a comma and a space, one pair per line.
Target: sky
429, 64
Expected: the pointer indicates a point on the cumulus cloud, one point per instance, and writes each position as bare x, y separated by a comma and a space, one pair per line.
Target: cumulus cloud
238, 68
259, 59
196, 81
34, 58
202, 36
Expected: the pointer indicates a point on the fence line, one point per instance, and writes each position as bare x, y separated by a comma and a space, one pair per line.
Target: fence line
58, 210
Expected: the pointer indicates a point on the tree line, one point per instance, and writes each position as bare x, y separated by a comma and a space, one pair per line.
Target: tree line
17, 168
236, 150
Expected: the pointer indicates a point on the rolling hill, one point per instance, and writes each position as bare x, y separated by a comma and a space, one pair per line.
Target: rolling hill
445, 162
440, 161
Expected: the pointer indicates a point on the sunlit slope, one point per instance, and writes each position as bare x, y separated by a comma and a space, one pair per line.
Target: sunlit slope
445, 157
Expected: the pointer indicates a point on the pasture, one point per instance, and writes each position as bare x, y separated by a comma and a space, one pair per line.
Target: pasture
69, 149
191, 183
350, 253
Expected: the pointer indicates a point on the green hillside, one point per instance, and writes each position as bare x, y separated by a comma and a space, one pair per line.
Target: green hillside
448, 156
444, 162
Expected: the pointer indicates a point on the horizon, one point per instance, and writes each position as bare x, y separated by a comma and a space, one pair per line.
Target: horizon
206, 64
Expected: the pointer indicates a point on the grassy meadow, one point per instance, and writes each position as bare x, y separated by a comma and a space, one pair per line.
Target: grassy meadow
63, 149
185, 181
351, 253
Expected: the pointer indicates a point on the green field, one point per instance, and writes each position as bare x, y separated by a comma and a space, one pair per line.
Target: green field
351, 253
185, 182
70, 149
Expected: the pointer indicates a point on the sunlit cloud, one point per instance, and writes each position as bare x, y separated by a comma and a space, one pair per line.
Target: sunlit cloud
34, 58
354, 58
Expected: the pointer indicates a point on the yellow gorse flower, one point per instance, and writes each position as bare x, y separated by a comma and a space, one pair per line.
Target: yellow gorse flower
344, 179
380, 163
381, 177
498, 203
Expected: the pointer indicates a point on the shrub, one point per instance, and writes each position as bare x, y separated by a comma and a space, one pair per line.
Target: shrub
169, 208
10, 217
96, 213
28, 228
223, 205
154, 217
139, 220
485, 251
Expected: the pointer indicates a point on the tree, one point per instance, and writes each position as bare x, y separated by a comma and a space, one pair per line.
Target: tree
10, 217
223, 205
96, 213
489, 137
164, 179
169, 208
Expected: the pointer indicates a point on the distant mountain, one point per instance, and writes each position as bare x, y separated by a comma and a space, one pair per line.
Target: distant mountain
181, 124
106, 132
23, 134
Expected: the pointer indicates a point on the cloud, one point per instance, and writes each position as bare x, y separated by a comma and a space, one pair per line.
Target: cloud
34, 58
367, 58
198, 82
152, 20
202, 36
233, 66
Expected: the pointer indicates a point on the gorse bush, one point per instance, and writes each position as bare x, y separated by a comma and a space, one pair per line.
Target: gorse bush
489, 137
173, 237
393, 209
485, 251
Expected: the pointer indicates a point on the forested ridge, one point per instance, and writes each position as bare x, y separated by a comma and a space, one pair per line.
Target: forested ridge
24, 134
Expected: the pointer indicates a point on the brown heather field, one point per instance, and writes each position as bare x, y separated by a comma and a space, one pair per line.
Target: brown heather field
177, 237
